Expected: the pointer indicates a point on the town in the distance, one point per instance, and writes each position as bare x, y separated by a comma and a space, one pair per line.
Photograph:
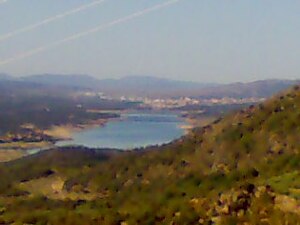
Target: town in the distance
57, 106
149, 112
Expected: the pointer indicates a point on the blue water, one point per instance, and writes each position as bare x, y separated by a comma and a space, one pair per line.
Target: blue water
134, 130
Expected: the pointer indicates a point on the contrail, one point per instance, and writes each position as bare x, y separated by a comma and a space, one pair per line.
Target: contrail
88, 32
48, 20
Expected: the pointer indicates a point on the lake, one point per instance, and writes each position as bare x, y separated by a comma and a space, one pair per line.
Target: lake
132, 131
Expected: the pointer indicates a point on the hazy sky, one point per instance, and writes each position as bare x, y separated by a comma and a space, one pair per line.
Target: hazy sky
201, 40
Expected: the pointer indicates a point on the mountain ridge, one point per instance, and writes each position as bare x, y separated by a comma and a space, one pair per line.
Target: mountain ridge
148, 86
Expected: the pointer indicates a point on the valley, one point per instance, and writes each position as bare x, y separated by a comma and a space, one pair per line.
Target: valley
37, 114
165, 112
245, 161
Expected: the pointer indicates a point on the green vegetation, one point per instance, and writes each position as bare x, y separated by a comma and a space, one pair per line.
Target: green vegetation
47, 111
242, 169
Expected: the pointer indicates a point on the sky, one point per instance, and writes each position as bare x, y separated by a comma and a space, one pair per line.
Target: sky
197, 40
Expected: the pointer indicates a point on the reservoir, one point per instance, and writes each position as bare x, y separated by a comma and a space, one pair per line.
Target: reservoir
132, 131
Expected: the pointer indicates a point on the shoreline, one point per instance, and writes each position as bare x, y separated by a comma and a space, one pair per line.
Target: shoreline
12, 150
65, 132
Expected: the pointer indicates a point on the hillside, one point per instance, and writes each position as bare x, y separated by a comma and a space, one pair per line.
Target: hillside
241, 169
139, 86
74, 81
258, 89
4, 76
147, 86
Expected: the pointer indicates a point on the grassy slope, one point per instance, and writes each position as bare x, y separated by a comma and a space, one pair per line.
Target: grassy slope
203, 178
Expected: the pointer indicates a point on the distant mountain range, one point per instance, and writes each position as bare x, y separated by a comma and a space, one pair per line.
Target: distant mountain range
4, 76
128, 86
259, 89
147, 86
80, 81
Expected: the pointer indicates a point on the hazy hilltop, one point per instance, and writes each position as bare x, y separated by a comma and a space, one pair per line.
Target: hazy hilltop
4, 76
261, 88
79, 81
241, 169
147, 86
138, 86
